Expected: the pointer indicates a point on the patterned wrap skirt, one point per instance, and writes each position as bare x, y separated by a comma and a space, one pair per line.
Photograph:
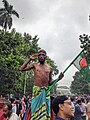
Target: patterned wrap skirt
40, 104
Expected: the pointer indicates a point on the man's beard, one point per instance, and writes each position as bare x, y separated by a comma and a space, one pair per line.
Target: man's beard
42, 62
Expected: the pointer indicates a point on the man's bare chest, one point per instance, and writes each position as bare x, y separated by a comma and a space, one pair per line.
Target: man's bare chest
42, 70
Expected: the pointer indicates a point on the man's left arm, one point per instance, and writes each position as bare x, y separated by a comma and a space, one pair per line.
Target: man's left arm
50, 78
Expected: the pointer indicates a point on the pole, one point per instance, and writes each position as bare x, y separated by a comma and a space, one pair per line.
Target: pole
25, 83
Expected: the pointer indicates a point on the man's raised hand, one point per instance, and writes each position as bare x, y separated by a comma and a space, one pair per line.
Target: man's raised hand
33, 57
61, 76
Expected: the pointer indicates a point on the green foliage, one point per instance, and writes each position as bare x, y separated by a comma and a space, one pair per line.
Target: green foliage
8, 62
86, 73
85, 44
85, 41
80, 85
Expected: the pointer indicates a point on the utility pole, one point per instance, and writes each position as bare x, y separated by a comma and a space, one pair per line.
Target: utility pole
25, 83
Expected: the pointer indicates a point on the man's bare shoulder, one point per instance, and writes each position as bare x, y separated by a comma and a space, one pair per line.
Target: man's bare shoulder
49, 66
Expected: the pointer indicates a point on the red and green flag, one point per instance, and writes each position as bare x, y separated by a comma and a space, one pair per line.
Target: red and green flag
80, 63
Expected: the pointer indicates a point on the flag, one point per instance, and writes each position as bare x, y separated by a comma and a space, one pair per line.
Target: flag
80, 63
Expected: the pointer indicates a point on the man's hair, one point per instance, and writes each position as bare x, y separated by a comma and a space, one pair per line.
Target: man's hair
12, 100
83, 100
43, 51
78, 101
58, 100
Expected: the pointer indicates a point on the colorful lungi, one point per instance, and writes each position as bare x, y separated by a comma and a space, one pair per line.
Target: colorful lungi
40, 104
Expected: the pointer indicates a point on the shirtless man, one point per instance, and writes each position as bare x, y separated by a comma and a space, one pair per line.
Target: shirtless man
42, 72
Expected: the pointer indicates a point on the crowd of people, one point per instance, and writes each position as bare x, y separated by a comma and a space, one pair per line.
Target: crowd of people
13, 108
62, 108
71, 108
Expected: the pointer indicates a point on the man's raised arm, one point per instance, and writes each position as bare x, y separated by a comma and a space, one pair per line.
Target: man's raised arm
24, 67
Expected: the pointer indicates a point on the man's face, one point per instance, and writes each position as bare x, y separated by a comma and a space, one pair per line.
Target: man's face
80, 103
41, 57
5, 111
68, 109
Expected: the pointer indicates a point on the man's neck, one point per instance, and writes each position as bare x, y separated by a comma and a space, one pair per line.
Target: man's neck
59, 118
42, 63
62, 116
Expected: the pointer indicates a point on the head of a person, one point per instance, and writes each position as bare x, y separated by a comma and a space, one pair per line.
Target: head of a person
79, 102
12, 100
62, 107
83, 100
7, 110
42, 56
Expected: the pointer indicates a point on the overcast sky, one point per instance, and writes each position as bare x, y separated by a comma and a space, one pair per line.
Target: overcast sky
58, 24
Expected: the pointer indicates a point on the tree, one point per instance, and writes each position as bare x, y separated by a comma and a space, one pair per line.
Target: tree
8, 61
85, 44
6, 15
79, 85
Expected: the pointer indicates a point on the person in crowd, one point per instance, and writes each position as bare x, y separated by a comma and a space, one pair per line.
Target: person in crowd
73, 103
63, 108
1, 111
13, 102
83, 107
26, 101
7, 112
40, 102
19, 108
23, 107
52, 113
78, 111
